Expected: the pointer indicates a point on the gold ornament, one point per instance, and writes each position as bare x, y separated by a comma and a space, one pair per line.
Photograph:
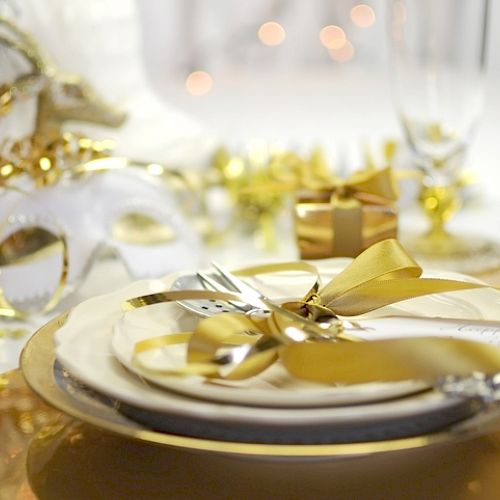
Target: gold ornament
60, 96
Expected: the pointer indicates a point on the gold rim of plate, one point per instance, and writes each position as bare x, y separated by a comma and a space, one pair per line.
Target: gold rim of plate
37, 365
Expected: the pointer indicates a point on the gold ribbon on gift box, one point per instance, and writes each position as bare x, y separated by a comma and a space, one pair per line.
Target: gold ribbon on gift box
345, 216
236, 346
259, 182
334, 216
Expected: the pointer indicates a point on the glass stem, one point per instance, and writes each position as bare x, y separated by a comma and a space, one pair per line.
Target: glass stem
440, 203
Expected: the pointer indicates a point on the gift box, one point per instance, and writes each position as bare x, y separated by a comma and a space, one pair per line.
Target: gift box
348, 216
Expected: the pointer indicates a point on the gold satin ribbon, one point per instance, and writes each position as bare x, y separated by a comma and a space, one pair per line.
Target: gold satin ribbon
363, 184
379, 183
236, 346
390, 360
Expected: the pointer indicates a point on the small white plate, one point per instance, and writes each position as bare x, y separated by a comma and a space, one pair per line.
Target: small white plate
273, 387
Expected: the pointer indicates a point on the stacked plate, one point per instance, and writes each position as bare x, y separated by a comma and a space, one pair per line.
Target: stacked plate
94, 366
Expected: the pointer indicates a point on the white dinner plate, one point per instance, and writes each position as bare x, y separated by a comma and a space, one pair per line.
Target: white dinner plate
84, 348
55, 385
274, 387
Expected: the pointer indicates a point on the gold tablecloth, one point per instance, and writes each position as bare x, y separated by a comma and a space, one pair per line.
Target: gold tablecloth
45, 454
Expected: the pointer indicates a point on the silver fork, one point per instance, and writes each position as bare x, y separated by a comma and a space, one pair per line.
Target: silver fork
229, 285
302, 329
309, 329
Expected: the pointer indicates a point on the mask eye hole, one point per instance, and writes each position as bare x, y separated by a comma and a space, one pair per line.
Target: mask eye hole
33, 267
28, 244
33, 253
140, 229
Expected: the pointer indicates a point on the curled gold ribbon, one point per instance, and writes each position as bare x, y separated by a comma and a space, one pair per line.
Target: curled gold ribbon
382, 275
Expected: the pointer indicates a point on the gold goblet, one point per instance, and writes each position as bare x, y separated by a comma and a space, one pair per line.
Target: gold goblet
438, 62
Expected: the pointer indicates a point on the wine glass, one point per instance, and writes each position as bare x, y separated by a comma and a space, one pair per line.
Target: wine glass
438, 64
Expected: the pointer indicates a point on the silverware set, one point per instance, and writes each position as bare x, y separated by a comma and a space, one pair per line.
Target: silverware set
224, 281
477, 386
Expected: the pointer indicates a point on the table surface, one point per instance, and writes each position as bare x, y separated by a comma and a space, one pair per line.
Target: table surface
45, 454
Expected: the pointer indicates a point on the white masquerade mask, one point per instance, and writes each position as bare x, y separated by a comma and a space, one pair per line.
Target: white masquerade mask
50, 236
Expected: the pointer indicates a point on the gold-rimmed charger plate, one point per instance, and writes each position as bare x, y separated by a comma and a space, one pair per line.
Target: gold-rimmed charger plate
37, 364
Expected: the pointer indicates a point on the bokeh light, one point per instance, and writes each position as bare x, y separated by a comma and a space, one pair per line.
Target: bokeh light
332, 37
399, 12
344, 53
155, 169
271, 34
362, 15
199, 83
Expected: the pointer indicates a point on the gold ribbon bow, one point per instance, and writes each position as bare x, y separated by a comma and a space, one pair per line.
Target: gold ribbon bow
367, 184
382, 275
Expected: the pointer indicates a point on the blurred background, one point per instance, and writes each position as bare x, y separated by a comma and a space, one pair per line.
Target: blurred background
305, 72
194, 74
302, 72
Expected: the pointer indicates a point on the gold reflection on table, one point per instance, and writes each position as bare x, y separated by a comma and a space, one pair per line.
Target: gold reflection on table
69, 459
22, 415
